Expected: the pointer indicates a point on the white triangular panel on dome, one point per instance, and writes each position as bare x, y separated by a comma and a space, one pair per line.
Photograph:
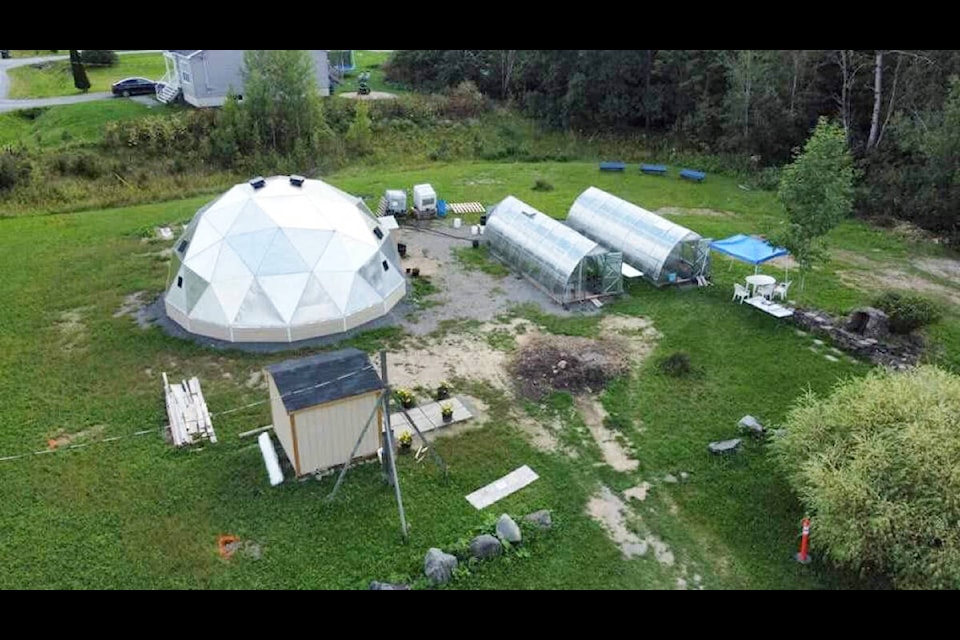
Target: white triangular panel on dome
251, 218
294, 211
194, 286
222, 215
229, 265
231, 294
338, 286
362, 295
343, 254
257, 311
315, 304
177, 295
204, 263
284, 291
204, 237
309, 243
282, 258
209, 308
251, 247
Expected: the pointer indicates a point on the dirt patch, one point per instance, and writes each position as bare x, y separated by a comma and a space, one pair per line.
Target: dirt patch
640, 334
73, 332
783, 262
568, 363
256, 380
542, 437
428, 266
638, 492
610, 446
61, 438
373, 95
610, 511
131, 304
947, 268
854, 259
882, 279
679, 211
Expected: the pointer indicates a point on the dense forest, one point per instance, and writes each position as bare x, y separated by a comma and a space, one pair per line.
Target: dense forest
899, 109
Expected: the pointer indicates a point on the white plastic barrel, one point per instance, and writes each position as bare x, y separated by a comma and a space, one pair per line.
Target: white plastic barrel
482, 227
475, 230
457, 222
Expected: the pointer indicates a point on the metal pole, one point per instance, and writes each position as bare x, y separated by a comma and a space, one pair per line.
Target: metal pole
346, 465
389, 448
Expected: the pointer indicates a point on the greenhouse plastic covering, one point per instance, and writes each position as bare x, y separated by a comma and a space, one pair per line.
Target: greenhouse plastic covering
282, 263
542, 248
649, 242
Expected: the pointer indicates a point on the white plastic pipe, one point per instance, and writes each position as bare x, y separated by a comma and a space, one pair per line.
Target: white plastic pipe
270, 459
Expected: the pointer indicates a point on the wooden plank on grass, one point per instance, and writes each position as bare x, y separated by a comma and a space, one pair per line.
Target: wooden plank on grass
508, 484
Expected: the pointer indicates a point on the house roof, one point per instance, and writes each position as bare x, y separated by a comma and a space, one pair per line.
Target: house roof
323, 378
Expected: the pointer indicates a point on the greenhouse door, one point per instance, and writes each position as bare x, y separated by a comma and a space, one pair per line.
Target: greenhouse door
611, 277
701, 260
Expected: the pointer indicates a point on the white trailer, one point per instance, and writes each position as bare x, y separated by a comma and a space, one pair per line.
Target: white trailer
424, 200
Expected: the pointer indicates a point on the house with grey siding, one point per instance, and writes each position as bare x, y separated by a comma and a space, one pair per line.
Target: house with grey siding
204, 76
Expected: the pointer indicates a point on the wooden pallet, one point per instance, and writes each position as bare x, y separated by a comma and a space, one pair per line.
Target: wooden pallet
382, 207
466, 207
187, 412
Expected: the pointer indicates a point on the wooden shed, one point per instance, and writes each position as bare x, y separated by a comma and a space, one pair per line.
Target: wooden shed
320, 405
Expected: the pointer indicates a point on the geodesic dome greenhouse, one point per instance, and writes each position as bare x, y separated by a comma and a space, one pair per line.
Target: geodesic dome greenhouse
282, 259
565, 264
663, 251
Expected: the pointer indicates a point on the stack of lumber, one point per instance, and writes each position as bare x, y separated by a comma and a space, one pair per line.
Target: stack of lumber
466, 207
187, 411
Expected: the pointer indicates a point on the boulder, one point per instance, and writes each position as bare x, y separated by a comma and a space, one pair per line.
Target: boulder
507, 530
438, 566
485, 547
541, 519
670, 478
724, 446
386, 586
751, 424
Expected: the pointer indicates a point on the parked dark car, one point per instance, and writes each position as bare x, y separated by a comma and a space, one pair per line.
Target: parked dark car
133, 87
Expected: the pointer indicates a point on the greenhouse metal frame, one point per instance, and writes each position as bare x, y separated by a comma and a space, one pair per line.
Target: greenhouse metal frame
566, 265
663, 251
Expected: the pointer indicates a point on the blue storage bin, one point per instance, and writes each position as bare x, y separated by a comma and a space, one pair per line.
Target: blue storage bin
441, 208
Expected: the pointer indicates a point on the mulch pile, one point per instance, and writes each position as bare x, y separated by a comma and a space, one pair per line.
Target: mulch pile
567, 363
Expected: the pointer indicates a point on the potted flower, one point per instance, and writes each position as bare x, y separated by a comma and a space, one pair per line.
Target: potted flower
446, 411
443, 390
405, 440
405, 397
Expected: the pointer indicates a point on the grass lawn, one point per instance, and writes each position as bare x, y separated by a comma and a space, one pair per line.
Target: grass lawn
55, 79
66, 124
132, 513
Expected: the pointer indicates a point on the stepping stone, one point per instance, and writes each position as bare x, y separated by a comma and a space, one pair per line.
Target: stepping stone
724, 446
818, 342
749, 423
831, 358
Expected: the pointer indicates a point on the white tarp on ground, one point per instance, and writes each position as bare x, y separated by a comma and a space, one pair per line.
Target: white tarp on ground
283, 263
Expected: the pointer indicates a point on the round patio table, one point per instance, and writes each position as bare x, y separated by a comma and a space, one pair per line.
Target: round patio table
759, 280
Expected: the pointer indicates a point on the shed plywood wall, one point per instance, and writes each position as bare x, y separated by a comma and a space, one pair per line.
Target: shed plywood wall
326, 434
281, 421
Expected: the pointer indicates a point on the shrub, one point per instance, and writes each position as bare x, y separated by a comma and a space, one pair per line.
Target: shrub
676, 365
99, 57
542, 185
15, 168
466, 101
907, 313
875, 463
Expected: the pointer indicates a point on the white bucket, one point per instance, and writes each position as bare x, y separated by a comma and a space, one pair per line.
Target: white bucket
475, 230
482, 227
457, 222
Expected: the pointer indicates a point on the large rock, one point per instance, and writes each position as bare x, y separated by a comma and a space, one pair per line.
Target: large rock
751, 424
541, 519
724, 446
386, 586
438, 566
868, 322
485, 547
508, 530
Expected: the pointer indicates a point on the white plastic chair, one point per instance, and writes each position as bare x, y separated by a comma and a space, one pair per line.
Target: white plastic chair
740, 292
780, 291
766, 291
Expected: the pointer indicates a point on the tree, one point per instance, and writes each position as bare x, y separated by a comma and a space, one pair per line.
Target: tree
80, 80
281, 100
359, 137
816, 191
875, 465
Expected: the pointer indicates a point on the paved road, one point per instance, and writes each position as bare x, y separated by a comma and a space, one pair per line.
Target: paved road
13, 105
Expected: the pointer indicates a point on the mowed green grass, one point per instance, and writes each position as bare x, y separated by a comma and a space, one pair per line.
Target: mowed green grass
56, 79
133, 513
66, 124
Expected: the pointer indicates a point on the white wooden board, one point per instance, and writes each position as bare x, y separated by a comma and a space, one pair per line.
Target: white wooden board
510, 483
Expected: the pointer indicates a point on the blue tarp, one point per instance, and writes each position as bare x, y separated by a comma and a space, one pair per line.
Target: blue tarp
747, 249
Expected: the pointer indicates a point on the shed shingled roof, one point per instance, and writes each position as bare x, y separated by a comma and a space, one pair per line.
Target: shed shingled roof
323, 378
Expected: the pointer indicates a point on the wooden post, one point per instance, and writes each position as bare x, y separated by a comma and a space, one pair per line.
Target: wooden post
389, 448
